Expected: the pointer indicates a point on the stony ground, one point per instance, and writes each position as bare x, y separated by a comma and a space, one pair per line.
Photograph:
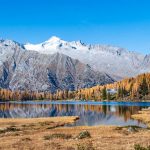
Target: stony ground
50, 134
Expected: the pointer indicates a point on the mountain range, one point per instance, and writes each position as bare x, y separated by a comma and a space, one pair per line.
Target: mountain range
115, 61
22, 69
58, 64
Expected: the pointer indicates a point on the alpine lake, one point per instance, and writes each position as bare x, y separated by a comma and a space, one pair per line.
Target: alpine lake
90, 113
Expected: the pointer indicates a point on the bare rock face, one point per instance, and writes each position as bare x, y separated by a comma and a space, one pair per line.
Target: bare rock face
145, 66
22, 69
10, 53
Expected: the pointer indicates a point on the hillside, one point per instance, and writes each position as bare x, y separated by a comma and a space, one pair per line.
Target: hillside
137, 88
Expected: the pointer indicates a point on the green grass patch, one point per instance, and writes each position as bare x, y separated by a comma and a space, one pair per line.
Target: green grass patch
58, 135
9, 129
86, 146
139, 147
127, 127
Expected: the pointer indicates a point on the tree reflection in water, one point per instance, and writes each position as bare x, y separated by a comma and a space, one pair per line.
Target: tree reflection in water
89, 114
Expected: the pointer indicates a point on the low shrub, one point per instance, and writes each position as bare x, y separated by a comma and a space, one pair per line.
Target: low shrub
9, 129
58, 135
84, 134
139, 147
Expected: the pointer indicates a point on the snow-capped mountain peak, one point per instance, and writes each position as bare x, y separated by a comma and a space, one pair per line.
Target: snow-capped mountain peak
10, 43
55, 44
69, 60
104, 58
53, 39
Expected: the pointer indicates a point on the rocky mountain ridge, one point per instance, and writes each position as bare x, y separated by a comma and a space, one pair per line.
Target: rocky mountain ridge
22, 69
113, 60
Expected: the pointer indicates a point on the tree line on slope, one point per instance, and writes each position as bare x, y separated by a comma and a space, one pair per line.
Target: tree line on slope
127, 89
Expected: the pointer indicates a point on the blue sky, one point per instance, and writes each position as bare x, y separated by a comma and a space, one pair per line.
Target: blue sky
124, 23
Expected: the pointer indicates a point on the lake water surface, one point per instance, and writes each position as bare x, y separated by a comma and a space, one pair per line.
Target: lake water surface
90, 113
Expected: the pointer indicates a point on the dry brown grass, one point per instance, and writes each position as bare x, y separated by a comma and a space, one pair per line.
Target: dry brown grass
26, 121
143, 116
31, 136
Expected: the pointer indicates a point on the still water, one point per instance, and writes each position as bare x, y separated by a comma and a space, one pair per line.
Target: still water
90, 113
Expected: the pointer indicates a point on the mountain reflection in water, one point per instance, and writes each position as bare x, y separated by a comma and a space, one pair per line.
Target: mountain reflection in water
89, 114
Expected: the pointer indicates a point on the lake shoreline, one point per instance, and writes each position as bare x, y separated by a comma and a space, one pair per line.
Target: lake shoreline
55, 133
143, 115
2, 101
90, 113
49, 133
82, 101
4, 122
